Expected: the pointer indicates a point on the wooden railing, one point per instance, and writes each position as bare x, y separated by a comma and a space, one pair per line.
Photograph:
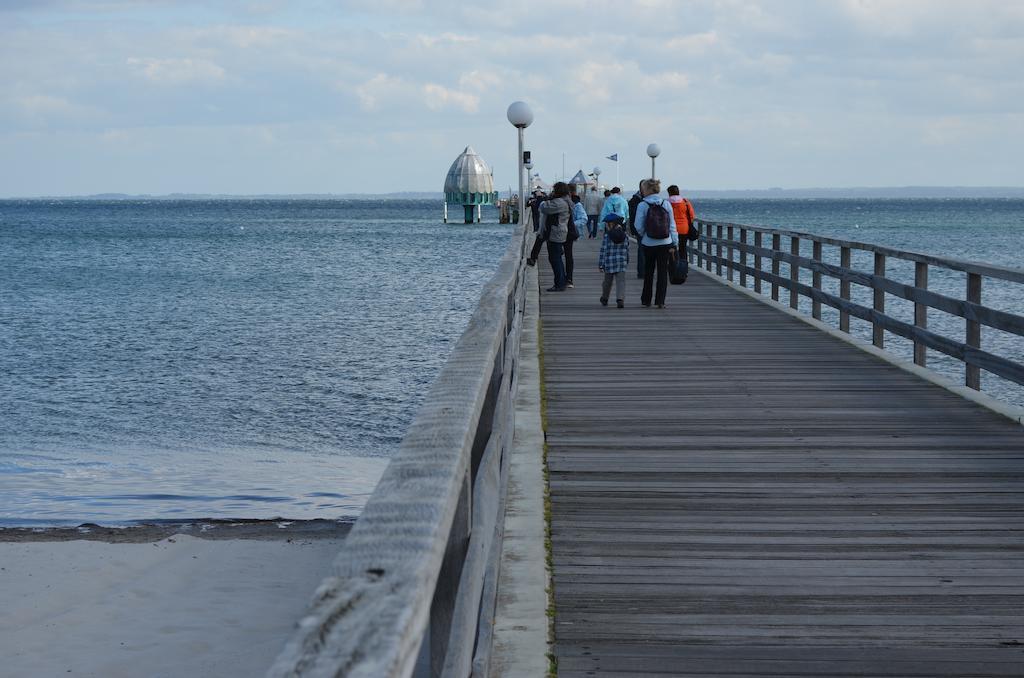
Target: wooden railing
414, 588
740, 251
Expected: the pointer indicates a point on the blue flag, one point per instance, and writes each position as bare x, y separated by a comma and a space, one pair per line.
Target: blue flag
613, 156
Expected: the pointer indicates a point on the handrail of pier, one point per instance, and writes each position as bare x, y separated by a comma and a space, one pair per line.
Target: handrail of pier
727, 246
413, 590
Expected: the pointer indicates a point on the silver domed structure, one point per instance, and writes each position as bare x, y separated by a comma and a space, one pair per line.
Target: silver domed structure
469, 183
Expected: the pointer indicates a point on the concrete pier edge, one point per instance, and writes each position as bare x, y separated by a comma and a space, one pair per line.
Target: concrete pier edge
521, 642
1005, 409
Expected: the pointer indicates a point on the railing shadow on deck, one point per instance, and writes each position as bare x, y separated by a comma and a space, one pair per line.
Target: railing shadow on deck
724, 248
413, 591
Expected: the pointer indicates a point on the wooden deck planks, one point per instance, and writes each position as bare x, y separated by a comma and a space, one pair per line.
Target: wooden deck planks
735, 493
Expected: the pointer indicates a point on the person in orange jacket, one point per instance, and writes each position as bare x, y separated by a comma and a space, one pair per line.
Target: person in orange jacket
682, 211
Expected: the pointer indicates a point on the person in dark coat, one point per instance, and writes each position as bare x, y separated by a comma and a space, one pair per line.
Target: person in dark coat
556, 212
534, 205
634, 203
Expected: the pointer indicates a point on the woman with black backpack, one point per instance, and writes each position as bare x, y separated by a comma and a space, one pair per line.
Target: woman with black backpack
655, 225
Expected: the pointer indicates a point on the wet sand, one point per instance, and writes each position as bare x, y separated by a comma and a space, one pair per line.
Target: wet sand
209, 598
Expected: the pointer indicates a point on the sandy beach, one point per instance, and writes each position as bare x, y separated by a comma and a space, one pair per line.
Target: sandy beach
203, 599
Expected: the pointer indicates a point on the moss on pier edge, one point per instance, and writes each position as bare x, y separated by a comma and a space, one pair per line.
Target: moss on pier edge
548, 553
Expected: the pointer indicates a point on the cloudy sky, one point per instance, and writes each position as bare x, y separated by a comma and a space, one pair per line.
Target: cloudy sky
268, 96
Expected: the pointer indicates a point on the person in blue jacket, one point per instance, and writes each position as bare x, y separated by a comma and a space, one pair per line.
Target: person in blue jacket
658, 237
614, 204
579, 220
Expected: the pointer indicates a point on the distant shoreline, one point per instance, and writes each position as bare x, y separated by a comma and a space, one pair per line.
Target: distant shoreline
899, 192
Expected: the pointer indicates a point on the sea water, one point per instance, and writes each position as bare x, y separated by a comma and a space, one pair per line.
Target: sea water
175, 360
170, 360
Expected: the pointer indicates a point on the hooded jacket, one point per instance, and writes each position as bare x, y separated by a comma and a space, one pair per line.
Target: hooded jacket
683, 211
562, 208
654, 202
615, 204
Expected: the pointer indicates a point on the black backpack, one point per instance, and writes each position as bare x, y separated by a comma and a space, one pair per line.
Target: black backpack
617, 234
657, 222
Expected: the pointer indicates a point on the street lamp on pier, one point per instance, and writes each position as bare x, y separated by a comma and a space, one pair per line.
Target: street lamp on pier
520, 115
654, 151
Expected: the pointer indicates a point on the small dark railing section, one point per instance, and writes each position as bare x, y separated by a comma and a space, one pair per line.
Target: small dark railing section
740, 251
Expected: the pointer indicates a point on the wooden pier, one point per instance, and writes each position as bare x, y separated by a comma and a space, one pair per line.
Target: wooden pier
736, 493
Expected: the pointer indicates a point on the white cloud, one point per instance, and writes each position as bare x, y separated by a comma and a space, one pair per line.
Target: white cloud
695, 44
41, 104
242, 37
379, 88
479, 80
953, 131
431, 41
41, 110
667, 80
177, 71
437, 97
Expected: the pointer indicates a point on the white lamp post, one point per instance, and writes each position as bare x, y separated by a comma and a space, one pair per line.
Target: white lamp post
520, 115
654, 151
597, 177
529, 184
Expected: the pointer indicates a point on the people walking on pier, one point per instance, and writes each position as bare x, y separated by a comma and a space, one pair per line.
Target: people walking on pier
613, 259
557, 213
593, 203
656, 226
614, 204
577, 223
634, 203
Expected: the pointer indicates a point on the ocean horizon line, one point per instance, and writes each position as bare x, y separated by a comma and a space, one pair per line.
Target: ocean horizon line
852, 192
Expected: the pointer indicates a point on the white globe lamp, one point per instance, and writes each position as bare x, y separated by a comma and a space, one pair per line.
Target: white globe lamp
653, 150
520, 115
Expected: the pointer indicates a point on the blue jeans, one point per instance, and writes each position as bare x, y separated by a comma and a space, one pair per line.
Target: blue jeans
555, 251
592, 225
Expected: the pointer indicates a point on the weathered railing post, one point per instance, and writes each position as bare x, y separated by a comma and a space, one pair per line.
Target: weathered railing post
707, 259
973, 372
844, 289
816, 282
702, 249
729, 250
743, 257
920, 312
776, 268
443, 609
794, 273
718, 250
877, 329
757, 261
